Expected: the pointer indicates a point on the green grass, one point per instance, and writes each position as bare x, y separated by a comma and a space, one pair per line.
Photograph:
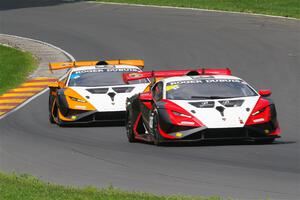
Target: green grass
15, 66
21, 187
286, 8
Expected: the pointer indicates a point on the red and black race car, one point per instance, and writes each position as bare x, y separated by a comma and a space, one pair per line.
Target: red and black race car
195, 105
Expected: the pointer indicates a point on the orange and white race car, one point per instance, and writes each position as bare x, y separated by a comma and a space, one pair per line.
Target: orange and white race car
93, 91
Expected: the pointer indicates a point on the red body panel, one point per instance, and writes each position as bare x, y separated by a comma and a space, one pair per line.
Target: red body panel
179, 119
261, 113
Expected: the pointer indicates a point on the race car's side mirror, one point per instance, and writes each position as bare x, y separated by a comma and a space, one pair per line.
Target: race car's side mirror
146, 96
53, 85
61, 84
264, 93
56, 84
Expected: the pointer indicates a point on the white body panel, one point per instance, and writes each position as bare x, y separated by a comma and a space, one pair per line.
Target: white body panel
104, 103
234, 117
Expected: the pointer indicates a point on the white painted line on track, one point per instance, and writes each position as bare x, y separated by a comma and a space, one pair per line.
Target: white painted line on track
46, 89
199, 9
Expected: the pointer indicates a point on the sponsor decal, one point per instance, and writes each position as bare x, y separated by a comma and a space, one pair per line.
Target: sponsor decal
64, 64
106, 70
135, 75
74, 76
222, 81
205, 81
172, 87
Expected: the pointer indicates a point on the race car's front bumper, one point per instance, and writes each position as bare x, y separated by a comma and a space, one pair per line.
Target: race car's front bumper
95, 116
257, 132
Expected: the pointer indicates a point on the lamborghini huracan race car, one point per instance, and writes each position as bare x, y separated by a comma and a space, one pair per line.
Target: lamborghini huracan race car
204, 104
93, 91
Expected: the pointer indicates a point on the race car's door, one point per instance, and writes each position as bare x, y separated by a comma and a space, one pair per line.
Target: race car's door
155, 95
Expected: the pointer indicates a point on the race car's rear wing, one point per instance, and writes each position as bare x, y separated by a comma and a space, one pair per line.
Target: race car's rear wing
68, 65
170, 73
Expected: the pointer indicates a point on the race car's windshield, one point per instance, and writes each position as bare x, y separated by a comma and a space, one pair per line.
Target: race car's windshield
101, 77
208, 89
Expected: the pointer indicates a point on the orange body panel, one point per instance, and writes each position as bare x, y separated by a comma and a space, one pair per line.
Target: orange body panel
75, 104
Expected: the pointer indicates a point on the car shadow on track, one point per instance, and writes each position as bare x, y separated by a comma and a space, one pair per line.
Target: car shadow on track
219, 143
96, 124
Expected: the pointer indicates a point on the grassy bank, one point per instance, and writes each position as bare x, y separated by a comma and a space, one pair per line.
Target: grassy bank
15, 66
20, 187
286, 8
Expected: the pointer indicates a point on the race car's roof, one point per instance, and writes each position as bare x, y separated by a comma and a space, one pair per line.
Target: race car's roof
199, 77
104, 67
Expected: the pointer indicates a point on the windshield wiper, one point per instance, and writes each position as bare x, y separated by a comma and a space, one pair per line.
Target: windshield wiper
210, 97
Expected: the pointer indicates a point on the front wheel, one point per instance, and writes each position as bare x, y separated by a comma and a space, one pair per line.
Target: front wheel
58, 121
129, 130
51, 118
156, 135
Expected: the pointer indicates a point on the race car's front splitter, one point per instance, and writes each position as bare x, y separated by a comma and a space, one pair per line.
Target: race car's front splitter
203, 133
96, 116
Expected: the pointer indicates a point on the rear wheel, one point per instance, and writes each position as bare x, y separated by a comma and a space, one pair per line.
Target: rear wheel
129, 130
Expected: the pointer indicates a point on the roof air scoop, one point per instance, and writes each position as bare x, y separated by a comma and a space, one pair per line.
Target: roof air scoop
192, 73
102, 62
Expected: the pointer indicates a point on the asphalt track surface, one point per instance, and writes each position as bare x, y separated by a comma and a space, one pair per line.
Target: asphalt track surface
264, 51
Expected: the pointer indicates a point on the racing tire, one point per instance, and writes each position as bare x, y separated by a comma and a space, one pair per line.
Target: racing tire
55, 119
156, 135
58, 120
51, 119
129, 130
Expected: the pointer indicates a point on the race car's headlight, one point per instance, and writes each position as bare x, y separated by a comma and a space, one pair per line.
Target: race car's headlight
259, 116
183, 119
259, 111
181, 114
78, 100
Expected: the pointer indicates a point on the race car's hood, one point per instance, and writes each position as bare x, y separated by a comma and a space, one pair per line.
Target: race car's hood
220, 113
109, 98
